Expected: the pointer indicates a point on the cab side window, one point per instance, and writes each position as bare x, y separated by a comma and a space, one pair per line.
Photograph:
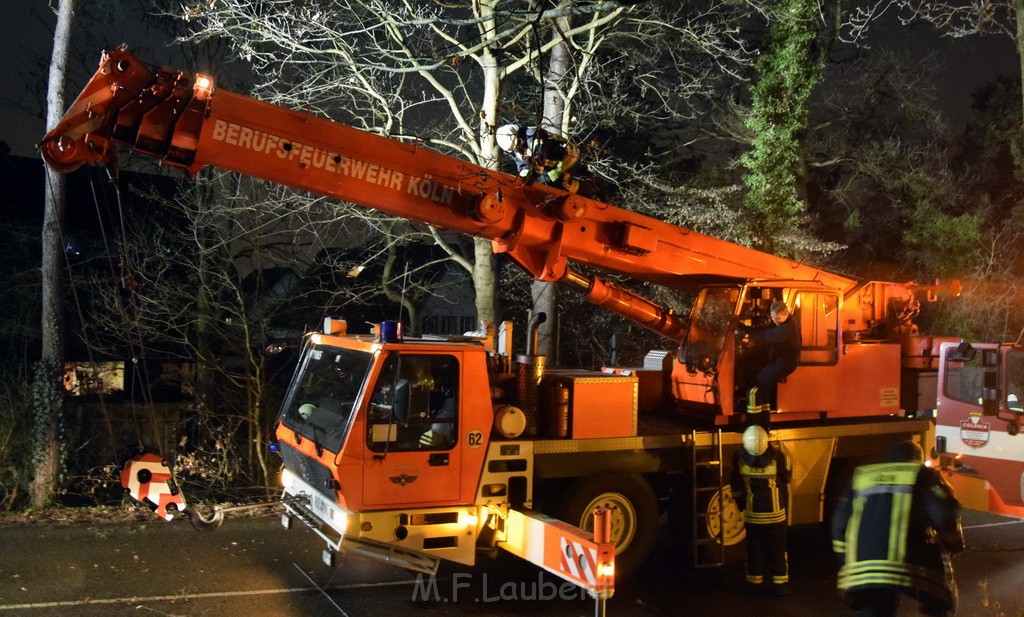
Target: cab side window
414, 404
818, 314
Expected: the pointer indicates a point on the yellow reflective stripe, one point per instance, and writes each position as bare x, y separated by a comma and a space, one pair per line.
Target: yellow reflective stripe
867, 476
764, 517
774, 486
748, 499
900, 522
878, 571
875, 579
768, 471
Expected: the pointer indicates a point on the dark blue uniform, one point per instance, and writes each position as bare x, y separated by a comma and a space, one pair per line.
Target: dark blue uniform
783, 355
760, 485
894, 531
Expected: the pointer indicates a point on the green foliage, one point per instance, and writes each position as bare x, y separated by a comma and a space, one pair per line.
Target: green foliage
787, 74
998, 126
49, 451
15, 439
941, 244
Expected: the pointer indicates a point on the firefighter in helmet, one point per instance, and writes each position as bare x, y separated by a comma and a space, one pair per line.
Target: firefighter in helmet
760, 484
894, 532
540, 155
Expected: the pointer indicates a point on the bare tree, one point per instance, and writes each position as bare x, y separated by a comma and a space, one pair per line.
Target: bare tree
951, 18
47, 386
194, 281
448, 73
556, 98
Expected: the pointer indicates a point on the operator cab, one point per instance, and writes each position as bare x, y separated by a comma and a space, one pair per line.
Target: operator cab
714, 362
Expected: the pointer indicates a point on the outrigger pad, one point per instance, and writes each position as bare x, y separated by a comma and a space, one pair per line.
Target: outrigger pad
148, 480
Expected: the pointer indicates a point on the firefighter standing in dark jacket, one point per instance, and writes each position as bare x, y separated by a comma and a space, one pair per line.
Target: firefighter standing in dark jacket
760, 485
894, 532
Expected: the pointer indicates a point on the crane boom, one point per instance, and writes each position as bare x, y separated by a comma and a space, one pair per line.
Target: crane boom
184, 121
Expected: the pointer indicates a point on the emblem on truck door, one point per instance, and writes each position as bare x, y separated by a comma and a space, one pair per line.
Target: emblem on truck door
403, 480
974, 431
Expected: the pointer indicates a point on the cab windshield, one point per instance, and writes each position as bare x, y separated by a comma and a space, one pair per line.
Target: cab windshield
710, 321
323, 394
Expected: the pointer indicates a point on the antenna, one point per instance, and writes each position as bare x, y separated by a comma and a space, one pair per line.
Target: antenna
405, 280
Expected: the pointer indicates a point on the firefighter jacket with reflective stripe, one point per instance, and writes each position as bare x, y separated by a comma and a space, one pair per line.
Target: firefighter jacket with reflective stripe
760, 485
894, 528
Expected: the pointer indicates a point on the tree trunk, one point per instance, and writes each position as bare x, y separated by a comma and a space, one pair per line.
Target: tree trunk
484, 281
545, 295
1018, 10
484, 278
48, 396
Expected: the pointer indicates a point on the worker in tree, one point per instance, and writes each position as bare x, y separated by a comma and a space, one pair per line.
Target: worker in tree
894, 532
760, 485
540, 155
783, 340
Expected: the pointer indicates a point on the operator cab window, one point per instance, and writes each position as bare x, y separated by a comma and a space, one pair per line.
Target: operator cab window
414, 404
818, 314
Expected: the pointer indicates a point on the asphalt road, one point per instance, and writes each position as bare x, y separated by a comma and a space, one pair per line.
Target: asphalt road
252, 566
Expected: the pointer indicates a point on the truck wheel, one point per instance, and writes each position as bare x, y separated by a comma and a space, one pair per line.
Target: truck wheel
634, 516
681, 525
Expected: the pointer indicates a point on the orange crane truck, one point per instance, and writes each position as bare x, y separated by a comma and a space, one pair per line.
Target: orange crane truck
418, 451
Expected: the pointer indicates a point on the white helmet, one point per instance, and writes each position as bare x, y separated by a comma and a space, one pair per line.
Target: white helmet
755, 440
507, 137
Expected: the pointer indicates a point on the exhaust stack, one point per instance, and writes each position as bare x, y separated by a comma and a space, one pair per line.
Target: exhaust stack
529, 372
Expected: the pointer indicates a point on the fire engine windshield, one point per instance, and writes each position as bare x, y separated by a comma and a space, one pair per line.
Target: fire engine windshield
324, 393
1015, 380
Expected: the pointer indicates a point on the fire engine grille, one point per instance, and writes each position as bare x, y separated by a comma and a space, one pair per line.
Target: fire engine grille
314, 474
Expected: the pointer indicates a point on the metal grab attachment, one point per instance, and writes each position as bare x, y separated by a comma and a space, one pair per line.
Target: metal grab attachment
201, 522
208, 523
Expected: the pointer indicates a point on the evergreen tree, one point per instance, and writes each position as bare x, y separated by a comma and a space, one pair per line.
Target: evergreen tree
787, 74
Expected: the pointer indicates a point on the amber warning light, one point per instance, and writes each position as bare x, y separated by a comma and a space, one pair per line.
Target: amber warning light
204, 83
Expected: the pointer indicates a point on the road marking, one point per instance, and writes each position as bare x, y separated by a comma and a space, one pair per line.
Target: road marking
994, 524
189, 596
322, 591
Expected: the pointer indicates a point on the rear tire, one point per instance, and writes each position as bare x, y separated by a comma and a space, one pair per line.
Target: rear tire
634, 512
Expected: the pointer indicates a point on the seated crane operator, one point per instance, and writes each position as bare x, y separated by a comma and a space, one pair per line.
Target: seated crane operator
783, 340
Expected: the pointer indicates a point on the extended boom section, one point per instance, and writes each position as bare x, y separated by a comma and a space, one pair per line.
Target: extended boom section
185, 121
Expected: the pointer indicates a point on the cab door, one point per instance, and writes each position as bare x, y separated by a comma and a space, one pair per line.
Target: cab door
412, 425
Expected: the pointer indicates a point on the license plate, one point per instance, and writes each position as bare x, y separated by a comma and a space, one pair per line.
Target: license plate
319, 505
